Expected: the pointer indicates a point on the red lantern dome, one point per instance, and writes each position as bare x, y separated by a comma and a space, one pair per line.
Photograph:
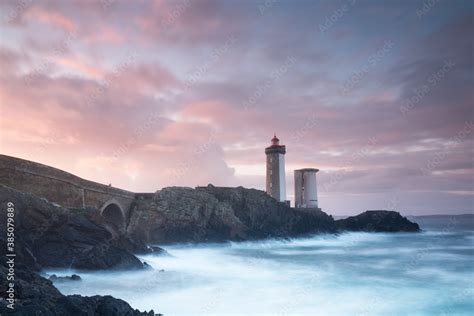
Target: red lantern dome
275, 141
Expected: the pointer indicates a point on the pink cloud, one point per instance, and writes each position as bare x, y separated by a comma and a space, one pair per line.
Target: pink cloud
52, 18
92, 103
77, 65
107, 35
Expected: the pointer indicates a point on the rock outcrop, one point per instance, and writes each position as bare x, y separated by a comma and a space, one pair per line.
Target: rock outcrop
35, 295
59, 237
47, 235
55, 278
178, 214
378, 221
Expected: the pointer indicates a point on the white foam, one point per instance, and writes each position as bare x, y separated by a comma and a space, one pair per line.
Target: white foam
349, 274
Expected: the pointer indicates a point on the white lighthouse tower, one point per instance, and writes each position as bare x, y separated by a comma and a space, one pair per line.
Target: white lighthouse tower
306, 193
276, 170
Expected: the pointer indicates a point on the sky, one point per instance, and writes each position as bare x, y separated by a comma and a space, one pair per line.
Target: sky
147, 94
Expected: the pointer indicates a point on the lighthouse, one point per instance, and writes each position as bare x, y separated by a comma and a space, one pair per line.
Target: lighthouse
306, 193
275, 185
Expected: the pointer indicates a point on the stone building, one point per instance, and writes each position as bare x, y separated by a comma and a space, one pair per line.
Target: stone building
275, 184
306, 193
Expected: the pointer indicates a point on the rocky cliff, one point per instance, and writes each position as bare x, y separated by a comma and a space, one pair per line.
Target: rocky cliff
178, 214
47, 235
36, 295
60, 237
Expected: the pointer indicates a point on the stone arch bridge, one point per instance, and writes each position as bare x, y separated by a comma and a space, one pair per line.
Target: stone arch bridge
112, 204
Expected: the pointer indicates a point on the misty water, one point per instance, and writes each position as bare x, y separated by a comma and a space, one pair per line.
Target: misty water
428, 273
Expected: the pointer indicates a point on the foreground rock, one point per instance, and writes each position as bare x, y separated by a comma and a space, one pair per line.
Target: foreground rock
378, 221
50, 236
211, 213
36, 295
60, 238
55, 278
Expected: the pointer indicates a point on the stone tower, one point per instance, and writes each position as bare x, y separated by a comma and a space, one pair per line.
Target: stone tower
306, 192
276, 170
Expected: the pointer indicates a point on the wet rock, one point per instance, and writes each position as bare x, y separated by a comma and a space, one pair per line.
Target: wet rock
158, 251
147, 266
378, 221
55, 278
36, 295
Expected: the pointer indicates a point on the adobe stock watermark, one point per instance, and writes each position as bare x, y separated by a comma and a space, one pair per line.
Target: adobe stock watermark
265, 6
45, 63
10, 255
126, 145
191, 80
431, 82
107, 3
373, 304
422, 252
198, 152
375, 301
215, 56
211, 304
17, 10
355, 157
297, 135
263, 88
336, 15
301, 294
42, 147
426, 7
109, 80
47, 141
372, 61
440, 156
175, 14
464, 295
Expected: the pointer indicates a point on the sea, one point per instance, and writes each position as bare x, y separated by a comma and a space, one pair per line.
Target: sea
427, 273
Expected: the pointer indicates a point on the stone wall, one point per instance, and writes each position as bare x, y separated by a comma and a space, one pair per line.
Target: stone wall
59, 186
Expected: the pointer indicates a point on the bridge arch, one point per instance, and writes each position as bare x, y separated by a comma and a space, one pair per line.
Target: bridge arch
113, 215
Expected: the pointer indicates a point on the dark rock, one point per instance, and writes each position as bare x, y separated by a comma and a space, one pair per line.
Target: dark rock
58, 237
36, 295
178, 214
378, 221
211, 213
158, 251
98, 305
75, 277
55, 278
